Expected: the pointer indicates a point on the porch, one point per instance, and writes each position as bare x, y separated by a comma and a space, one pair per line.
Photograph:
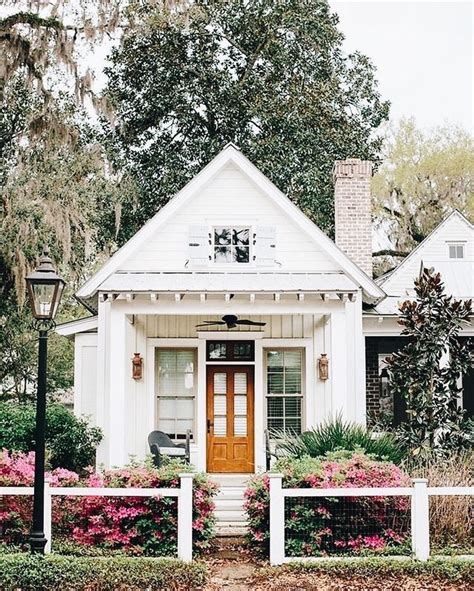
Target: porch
164, 329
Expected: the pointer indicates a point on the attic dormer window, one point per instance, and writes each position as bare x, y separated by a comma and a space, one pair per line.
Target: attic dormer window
456, 250
231, 244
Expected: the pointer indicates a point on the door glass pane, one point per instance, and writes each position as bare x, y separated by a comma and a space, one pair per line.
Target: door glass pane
220, 405
240, 405
220, 383
240, 383
240, 426
220, 426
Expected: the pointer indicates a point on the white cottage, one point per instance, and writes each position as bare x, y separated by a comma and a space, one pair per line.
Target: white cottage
228, 298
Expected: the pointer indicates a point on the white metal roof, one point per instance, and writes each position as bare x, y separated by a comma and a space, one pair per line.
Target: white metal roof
202, 282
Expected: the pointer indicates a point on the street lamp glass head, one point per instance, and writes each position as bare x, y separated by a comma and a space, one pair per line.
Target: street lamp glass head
45, 288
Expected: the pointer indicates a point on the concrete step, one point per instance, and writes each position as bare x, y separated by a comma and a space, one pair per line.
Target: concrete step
237, 515
229, 504
230, 480
230, 529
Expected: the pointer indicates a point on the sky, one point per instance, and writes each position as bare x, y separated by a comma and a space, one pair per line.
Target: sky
423, 51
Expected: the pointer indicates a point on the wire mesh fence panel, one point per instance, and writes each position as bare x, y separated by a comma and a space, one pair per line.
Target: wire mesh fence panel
328, 526
451, 524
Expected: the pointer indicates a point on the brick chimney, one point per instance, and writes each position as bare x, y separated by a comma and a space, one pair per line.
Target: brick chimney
353, 210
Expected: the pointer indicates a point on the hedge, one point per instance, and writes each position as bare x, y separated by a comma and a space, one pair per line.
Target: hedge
28, 572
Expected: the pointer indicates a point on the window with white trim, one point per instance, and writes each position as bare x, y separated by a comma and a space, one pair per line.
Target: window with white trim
456, 251
284, 373
175, 388
231, 244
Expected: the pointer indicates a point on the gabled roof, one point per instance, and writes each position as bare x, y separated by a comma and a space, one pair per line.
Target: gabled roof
456, 214
458, 277
231, 154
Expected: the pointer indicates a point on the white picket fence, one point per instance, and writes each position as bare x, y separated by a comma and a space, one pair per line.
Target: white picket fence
184, 494
419, 494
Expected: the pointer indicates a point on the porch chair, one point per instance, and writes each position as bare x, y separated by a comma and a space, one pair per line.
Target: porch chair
276, 452
161, 445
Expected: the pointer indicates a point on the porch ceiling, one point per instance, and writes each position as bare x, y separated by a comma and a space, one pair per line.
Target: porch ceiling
250, 282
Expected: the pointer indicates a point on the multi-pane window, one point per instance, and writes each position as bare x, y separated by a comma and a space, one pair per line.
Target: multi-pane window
231, 244
284, 390
456, 251
175, 391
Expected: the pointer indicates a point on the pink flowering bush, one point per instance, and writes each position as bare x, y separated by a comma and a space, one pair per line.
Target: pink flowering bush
18, 469
321, 526
135, 525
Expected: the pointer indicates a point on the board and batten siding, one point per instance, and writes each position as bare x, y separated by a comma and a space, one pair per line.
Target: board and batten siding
85, 376
230, 198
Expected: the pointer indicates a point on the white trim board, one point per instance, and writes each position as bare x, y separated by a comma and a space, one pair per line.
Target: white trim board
230, 154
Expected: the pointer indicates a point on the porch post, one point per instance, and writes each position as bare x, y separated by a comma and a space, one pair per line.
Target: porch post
118, 366
338, 365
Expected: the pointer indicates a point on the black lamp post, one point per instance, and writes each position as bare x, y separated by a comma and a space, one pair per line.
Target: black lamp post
45, 288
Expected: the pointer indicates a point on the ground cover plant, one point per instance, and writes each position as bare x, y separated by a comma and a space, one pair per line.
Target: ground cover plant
28, 573
139, 526
371, 573
326, 526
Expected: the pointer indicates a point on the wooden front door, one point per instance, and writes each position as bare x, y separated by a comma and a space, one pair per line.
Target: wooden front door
230, 422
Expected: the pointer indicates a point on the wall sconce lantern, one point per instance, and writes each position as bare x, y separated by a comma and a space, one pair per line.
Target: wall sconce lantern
323, 366
137, 366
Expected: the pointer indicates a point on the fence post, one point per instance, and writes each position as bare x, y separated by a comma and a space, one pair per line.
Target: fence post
185, 517
420, 519
47, 516
277, 520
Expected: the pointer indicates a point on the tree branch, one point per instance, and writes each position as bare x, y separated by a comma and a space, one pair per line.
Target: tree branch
390, 252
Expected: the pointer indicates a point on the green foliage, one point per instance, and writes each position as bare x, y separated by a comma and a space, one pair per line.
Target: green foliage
70, 441
336, 434
425, 375
444, 568
269, 76
55, 573
423, 178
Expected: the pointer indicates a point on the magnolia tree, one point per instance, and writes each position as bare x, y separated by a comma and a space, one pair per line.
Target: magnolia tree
426, 372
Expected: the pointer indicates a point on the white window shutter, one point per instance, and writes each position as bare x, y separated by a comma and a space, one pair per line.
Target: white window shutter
265, 246
198, 246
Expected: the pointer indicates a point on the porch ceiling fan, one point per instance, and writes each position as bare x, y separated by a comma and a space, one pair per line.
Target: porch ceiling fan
231, 321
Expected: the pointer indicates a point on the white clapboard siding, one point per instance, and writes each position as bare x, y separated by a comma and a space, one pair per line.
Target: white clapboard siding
229, 198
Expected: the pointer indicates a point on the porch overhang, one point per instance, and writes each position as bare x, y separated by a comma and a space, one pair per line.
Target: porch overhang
256, 283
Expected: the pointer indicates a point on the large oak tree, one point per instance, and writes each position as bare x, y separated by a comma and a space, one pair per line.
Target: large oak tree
269, 76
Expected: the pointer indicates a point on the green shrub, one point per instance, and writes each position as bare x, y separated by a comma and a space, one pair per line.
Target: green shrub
335, 435
71, 442
31, 573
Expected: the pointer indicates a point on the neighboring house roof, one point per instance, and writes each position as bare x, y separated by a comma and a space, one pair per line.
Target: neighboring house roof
457, 274
230, 154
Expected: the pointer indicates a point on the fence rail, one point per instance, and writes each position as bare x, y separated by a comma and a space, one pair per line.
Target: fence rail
419, 494
184, 494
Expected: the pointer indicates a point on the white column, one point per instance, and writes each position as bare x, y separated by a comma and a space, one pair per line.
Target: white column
119, 370
420, 519
277, 520
356, 397
185, 517
102, 388
201, 408
259, 412
338, 365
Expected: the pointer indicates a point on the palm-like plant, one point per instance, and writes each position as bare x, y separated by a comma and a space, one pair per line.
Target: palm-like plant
337, 434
